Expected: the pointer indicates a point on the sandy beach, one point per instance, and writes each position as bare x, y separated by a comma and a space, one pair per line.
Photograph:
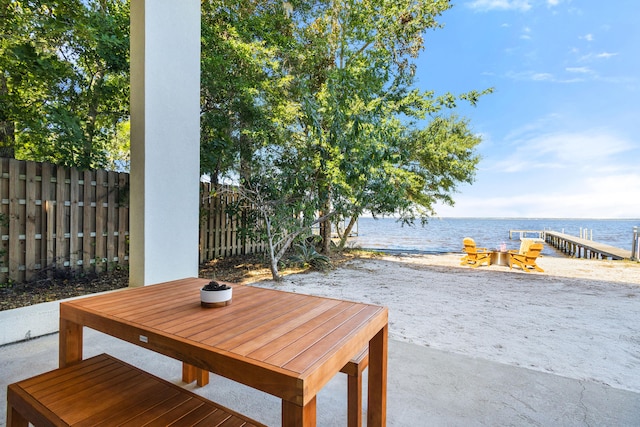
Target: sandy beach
578, 319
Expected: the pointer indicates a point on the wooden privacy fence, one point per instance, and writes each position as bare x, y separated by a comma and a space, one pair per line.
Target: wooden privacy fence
54, 218
57, 218
220, 226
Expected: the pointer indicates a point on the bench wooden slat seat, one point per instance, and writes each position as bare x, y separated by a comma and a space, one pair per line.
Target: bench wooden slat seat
106, 391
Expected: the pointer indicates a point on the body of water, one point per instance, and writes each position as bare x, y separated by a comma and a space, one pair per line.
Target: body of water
444, 235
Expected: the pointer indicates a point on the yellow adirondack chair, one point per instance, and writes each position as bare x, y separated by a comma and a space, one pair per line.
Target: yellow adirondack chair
527, 261
475, 256
524, 246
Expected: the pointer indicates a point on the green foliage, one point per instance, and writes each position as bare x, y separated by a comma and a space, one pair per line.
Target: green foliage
244, 98
362, 122
64, 89
307, 256
317, 108
311, 106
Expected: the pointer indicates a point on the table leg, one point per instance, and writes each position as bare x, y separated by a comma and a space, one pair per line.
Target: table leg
303, 416
354, 400
70, 343
377, 396
15, 418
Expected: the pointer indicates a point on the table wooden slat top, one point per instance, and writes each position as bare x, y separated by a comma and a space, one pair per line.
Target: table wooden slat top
283, 343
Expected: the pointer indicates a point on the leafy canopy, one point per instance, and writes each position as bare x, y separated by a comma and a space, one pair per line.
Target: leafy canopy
64, 86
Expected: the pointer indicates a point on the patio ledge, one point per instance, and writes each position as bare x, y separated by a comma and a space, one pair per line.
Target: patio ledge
25, 323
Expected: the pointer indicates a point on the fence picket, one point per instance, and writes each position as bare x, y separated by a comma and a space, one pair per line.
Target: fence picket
61, 197
48, 224
4, 217
88, 214
123, 217
112, 219
101, 196
74, 218
32, 243
16, 217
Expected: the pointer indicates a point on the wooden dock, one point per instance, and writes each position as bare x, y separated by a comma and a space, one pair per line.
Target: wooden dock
583, 248
576, 247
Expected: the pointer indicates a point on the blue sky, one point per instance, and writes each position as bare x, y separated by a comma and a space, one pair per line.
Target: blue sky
561, 132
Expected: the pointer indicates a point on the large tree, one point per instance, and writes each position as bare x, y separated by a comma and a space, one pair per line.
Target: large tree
245, 105
316, 102
362, 118
64, 82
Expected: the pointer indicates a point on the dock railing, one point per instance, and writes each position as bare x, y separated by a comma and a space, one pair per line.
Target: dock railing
521, 234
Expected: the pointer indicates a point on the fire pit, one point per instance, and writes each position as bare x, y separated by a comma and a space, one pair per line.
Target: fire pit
500, 258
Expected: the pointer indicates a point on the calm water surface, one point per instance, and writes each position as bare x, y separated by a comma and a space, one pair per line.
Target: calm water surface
445, 235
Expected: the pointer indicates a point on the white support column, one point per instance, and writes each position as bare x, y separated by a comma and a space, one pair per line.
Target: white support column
165, 140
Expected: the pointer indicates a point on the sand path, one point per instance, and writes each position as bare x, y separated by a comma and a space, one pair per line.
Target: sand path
579, 319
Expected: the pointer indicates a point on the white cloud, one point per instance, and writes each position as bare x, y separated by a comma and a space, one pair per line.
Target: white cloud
542, 77
579, 70
593, 56
606, 55
560, 155
595, 197
486, 5
552, 3
526, 33
560, 174
544, 202
591, 149
587, 37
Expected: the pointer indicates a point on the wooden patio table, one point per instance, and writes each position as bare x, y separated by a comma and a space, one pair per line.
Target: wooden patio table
285, 344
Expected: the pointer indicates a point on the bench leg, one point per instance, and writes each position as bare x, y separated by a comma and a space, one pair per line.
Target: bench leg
202, 377
191, 373
188, 373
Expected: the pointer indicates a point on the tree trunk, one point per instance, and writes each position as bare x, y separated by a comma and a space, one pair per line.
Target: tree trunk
7, 127
274, 269
347, 231
92, 116
325, 229
273, 257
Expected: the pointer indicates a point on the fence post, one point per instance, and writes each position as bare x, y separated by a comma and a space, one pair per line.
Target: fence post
634, 246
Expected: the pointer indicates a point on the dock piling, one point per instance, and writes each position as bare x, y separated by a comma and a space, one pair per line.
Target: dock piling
635, 246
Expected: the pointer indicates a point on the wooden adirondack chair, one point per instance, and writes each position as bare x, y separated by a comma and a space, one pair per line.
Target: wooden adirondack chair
527, 261
475, 256
524, 246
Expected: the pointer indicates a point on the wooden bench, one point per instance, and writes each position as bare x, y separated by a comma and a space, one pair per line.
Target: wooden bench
353, 369
103, 390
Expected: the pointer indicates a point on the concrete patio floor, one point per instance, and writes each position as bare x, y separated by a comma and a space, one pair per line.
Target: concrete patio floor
426, 388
